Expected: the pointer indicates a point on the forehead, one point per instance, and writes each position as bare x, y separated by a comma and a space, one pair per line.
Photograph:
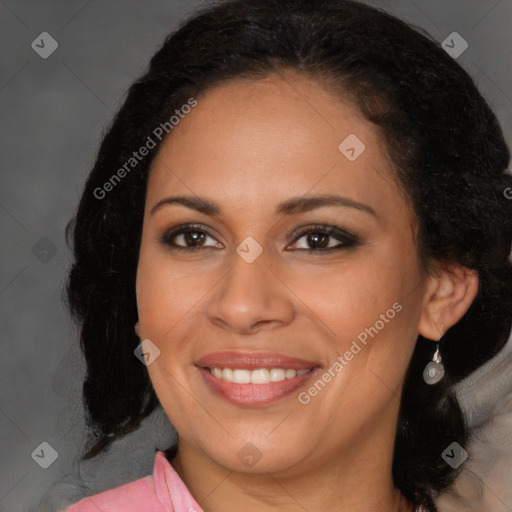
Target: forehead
264, 139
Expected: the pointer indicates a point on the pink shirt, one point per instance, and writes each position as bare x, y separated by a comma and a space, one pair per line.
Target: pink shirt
164, 491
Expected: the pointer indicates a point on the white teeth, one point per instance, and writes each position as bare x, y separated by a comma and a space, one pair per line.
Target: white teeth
241, 376
227, 374
277, 374
290, 374
259, 376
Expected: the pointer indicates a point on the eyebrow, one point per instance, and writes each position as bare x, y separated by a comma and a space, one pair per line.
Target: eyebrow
291, 206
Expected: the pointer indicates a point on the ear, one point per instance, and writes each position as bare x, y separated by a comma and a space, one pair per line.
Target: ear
450, 291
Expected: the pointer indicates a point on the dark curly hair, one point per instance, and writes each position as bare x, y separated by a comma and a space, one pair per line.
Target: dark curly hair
449, 156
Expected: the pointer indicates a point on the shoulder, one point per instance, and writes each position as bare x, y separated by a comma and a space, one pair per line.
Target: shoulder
161, 492
136, 496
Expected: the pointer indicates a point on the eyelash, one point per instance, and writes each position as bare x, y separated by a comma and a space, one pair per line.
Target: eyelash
347, 240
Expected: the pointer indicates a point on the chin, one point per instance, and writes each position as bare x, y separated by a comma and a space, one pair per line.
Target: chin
254, 457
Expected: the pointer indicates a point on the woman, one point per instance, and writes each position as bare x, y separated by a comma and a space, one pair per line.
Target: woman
295, 241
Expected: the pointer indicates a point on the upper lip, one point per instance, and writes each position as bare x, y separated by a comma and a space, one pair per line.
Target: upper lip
253, 361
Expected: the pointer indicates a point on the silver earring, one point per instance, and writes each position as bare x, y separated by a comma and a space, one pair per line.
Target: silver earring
434, 371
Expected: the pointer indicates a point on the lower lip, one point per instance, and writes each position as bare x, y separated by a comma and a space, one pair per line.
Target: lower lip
254, 394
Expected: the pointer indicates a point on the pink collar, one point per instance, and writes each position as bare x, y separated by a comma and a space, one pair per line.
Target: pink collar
170, 489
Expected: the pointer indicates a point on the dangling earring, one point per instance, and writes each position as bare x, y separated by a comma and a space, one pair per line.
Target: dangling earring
434, 371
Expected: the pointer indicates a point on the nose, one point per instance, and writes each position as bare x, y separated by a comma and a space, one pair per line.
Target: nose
250, 298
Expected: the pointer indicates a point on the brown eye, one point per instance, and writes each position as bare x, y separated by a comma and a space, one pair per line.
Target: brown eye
188, 237
326, 238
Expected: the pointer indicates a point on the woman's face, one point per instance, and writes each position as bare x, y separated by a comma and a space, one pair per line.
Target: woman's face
246, 291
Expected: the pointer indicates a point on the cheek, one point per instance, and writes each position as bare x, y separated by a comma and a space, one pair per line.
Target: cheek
350, 297
165, 293
369, 310
153, 291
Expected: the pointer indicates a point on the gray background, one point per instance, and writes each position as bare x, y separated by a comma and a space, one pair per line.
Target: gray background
53, 112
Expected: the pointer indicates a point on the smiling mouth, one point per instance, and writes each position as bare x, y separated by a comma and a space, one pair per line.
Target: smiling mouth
255, 388
257, 376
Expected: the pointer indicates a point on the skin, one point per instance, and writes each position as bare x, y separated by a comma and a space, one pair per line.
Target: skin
247, 146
